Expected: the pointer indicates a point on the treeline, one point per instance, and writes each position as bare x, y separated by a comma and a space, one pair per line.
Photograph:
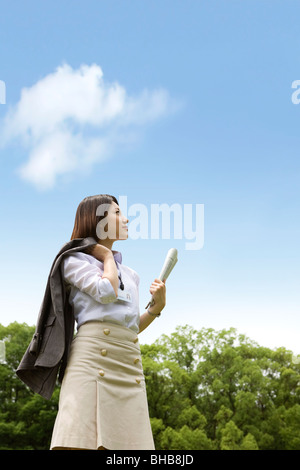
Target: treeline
207, 390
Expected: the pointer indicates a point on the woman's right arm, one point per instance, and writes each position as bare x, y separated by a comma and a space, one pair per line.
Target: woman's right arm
88, 278
110, 271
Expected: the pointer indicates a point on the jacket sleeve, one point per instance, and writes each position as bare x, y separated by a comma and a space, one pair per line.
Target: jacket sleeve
87, 278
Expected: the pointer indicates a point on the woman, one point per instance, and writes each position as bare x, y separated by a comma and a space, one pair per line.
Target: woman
103, 401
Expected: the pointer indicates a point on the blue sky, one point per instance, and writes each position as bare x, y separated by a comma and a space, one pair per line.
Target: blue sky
216, 127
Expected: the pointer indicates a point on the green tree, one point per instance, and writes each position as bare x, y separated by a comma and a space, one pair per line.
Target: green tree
231, 437
206, 389
26, 419
247, 395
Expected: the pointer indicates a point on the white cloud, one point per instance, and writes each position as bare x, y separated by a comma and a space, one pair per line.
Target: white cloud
72, 119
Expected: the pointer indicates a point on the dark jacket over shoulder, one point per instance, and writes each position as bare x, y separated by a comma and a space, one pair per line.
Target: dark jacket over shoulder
48, 350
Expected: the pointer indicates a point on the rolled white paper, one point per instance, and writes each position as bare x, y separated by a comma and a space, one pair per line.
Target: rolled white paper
170, 261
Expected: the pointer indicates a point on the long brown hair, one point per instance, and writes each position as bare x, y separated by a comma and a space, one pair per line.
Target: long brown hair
86, 219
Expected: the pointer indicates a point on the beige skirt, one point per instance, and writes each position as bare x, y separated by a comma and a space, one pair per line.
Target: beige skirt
103, 400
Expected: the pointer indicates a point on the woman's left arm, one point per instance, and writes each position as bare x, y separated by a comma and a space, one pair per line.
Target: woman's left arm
158, 291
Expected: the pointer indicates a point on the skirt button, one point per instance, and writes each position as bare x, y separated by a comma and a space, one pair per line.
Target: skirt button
101, 372
138, 380
135, 340
103, 352
106, 331
136, 360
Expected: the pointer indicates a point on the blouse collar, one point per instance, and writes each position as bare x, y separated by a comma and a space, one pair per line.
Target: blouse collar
117, 256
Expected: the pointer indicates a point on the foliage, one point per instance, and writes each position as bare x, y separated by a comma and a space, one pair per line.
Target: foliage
26, 419
207, 389
220, 390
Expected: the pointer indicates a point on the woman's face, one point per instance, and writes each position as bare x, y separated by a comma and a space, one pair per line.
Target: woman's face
115, 224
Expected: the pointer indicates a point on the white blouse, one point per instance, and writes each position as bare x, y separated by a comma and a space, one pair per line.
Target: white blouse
94, 298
